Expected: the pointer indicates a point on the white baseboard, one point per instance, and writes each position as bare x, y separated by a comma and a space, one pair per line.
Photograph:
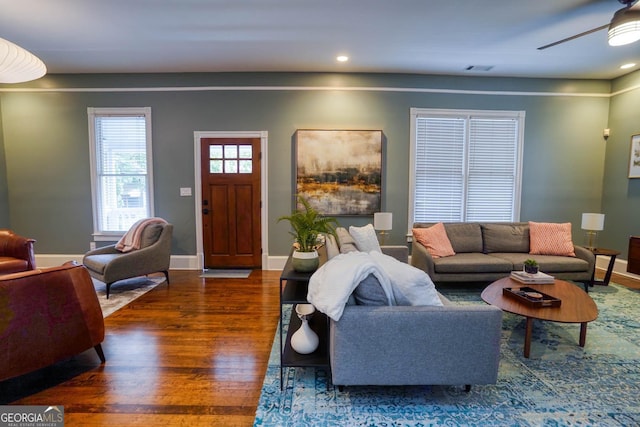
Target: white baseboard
619, 267
178, 262
190, 262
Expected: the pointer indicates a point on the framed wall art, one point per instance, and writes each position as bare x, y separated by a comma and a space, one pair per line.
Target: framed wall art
634, 157
339, 172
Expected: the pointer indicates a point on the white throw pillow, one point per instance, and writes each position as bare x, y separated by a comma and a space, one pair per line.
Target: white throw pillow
365, 237
411, 286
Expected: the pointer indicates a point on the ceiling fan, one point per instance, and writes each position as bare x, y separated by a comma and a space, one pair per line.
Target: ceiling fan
624, 27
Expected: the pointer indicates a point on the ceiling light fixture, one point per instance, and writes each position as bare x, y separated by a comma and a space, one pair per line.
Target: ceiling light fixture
18, 65
342, 58
624, 27
627, 66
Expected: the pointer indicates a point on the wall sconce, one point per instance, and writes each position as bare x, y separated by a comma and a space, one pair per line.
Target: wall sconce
592, 223
382, 221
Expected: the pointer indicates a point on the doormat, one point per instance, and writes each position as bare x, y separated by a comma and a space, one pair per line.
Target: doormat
225, 274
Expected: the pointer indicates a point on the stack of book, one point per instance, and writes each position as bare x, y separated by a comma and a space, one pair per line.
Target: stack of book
539, 278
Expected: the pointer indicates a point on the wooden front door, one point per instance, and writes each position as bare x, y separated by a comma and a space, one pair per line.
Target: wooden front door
231, 202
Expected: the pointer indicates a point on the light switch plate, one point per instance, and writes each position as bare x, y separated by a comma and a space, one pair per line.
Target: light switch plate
185, 191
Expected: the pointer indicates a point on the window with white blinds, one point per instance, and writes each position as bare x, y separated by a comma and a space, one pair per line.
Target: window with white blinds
121, 175
467, 165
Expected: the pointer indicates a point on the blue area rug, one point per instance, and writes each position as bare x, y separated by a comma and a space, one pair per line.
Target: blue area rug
561, 384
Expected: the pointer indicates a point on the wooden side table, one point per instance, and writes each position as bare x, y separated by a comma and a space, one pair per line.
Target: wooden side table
612, 254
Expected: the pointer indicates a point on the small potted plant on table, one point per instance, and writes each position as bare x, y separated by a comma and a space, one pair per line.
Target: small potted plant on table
307, 224
531, 266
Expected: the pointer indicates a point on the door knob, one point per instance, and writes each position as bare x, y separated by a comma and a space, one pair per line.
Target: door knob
205, 211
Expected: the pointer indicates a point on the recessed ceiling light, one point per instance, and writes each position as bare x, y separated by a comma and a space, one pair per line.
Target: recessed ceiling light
629, 65
342, 58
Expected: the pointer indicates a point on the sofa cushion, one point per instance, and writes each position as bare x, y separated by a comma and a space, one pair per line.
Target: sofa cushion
369, 292
365, 237
547, 263
10, 265
99, 262
472, 263
505, 238
345, 241
551, 238
435, 240
464, 237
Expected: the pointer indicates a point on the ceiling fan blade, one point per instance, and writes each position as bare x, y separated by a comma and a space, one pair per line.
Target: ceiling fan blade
593, 30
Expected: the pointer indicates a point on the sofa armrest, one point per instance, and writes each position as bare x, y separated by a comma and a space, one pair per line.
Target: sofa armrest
399, 252
422, 259
585, 254
395, 345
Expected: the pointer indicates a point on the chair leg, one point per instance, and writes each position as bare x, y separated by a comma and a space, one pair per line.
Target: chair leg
109, 288
467, 388
166, 275
98, 349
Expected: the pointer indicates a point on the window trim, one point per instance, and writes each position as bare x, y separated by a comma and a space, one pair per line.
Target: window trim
435, 112
92, 112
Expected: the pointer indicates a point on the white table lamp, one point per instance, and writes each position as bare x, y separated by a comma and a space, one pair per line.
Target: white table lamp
592, 223
382, 221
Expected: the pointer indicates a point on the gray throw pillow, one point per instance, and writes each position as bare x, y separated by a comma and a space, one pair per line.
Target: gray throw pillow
369, 292
150, 235
505, 238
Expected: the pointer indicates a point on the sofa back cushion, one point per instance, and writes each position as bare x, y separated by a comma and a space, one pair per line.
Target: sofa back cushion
464, 237
510, 237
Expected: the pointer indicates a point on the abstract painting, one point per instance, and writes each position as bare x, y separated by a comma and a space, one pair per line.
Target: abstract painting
339, 172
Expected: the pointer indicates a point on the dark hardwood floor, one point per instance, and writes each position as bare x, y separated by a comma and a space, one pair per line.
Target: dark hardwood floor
190, 354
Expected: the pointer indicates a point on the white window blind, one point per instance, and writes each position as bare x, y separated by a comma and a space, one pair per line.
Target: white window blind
467, 165
121, 168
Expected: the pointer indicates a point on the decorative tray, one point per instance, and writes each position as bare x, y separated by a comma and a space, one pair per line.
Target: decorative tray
532, 297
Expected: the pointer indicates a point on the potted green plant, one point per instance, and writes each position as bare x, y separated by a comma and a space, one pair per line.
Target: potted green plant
531, 266
307, 224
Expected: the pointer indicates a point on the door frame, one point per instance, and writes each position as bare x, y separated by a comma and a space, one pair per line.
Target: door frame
263, 135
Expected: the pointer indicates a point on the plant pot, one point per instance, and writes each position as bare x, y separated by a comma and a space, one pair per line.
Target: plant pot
531, 269
305, 262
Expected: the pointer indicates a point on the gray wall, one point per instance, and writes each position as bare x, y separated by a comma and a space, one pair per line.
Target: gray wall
621, 195
47, 149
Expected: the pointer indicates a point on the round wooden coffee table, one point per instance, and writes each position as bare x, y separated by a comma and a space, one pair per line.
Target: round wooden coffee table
576, 307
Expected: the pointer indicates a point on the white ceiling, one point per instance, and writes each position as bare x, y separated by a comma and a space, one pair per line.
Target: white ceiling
396, 36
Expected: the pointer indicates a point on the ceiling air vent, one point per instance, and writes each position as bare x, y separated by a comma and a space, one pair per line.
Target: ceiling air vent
479, 67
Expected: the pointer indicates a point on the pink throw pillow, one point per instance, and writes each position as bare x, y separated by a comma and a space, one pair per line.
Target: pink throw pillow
550, 239
435, 239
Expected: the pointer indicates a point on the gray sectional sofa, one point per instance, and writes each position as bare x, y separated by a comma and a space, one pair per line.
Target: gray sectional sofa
415, 345
490, 251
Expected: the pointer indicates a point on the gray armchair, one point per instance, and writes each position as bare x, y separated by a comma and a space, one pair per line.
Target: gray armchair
109, 265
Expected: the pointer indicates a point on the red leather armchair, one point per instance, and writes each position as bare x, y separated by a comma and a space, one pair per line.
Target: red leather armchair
16, 253
47, 316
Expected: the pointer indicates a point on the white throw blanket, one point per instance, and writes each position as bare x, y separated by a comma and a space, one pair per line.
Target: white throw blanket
332, 283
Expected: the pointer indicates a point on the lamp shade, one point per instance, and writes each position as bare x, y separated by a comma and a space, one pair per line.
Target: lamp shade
382, 220
18, 65
592, 221
624, 27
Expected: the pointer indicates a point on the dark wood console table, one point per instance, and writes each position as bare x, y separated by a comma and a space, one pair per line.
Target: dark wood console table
293, 290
